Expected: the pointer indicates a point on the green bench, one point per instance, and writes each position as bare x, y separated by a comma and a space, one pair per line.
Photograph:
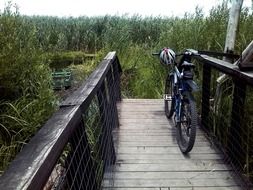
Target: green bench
62, 79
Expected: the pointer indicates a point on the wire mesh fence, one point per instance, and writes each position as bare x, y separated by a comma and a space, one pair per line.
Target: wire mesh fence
225, 106
83, 149
90, 151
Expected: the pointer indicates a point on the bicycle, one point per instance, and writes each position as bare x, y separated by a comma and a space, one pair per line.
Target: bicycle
178, 98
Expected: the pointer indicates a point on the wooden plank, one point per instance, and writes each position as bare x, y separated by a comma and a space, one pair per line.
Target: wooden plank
141, 131
144, 118
169, 156
148, 156
142, 101
141, 110
227, 68
207, 188
169, 167
145, 126
161, 150
110, 55
171, 139
153, 108
172, 183
171, 175
221, 65
156, 144
155, 123
126, 113
175, 188
153, 138
246, 60
149, 132
171, 161
151, 141
145, 115
139, 134
144, 122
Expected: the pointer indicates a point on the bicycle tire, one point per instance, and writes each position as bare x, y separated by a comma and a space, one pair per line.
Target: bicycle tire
189, 113
169, 93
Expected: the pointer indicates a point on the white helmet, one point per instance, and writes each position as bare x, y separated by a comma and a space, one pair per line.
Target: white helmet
167, 56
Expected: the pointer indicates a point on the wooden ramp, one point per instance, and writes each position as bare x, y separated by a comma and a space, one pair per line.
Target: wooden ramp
148, 157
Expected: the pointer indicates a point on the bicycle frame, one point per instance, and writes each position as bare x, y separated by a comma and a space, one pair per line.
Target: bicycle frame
180, 86
177, 88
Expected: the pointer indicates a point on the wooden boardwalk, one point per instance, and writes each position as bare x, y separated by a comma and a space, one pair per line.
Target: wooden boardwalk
148, 157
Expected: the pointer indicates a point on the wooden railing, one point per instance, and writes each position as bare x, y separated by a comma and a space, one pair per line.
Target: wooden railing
226, 111
75, 146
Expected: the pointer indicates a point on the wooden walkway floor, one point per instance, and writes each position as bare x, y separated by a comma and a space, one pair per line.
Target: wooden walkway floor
148, 157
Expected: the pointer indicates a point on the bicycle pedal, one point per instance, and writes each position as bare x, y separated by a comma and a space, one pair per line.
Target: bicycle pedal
167, 97
177, 120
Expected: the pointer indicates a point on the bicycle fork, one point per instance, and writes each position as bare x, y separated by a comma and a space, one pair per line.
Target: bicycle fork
178, 108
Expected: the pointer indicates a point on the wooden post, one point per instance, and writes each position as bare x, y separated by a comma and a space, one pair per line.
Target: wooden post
116, 72
232, 27
234, 16
246, 61
81, 173
205, 106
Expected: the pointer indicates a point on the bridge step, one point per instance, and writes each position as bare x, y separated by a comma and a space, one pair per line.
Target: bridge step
148, 157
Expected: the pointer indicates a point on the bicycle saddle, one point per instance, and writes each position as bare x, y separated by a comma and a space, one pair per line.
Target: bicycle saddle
187, 64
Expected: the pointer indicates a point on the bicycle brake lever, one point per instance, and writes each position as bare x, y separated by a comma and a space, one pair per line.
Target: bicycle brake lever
192, 52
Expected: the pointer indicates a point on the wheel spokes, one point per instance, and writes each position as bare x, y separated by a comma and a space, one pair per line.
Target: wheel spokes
185, 123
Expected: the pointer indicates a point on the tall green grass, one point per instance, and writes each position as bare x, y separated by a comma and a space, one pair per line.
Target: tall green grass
27, 99
25, 76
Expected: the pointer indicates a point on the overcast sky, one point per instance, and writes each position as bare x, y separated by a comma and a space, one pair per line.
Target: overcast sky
112, 7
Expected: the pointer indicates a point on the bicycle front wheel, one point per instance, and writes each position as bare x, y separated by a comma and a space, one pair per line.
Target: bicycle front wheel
186, 127
169, 100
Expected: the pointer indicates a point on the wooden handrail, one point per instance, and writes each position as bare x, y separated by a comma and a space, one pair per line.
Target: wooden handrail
33, 165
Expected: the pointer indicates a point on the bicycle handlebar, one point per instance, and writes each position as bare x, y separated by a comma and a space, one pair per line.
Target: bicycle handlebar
188, 51
156, 53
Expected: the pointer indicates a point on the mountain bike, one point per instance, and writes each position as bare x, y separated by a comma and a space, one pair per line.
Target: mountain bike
178, 99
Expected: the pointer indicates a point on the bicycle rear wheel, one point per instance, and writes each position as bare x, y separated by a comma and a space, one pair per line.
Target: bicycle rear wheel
169, 100
186, 128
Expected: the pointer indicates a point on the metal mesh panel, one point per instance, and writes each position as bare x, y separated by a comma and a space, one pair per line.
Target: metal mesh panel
226, 114
90, 151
